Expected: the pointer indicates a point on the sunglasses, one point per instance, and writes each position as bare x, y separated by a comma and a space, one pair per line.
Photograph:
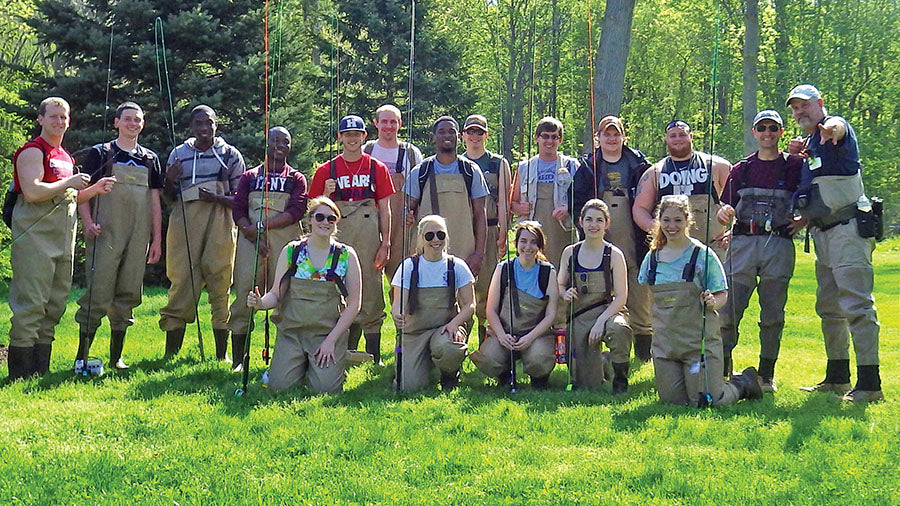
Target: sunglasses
441, 235
771, 128
549, 137
320, 217
475, 131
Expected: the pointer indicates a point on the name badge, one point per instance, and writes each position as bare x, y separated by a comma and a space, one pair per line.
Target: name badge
815, 162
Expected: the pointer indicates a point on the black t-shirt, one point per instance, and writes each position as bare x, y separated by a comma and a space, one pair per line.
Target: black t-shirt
96, 164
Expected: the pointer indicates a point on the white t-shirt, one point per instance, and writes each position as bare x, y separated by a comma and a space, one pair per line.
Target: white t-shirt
434, 274
388, 156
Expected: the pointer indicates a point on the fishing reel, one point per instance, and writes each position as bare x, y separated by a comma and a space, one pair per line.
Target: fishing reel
94, 367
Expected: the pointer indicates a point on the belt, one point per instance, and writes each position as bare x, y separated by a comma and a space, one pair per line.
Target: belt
741, 228
840, 217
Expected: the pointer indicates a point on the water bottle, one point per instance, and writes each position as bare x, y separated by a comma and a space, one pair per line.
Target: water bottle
560, 346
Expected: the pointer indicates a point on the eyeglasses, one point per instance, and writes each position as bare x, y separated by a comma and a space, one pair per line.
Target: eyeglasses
475, 131
320, 217
549, 137
441, 235
771, 128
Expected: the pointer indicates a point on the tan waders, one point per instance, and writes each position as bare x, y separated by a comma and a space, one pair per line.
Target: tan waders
309, 312
359, 229
494, 230
557, 236
454, 204
538, 360
424, 346
41, 257
699, 205
399, 228
212, 243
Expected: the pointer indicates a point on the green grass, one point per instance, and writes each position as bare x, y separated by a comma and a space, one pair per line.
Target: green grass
173, 432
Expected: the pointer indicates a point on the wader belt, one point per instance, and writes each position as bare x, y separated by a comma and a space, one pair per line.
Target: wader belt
744, 229
414, 283
687, 275
330, 275
841, 217
604, 266
341, 191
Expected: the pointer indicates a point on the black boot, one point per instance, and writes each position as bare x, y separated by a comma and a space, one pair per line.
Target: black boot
642, 347
449, 380
221, 338
355, 334
85, 340
20, 362
237, 351
116, 343
504, 380
174, 340
540, 383
373, 346
868, 385
620, 378
747, 384
42, 358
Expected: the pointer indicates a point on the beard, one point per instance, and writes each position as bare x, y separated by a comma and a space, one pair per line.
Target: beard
681, 152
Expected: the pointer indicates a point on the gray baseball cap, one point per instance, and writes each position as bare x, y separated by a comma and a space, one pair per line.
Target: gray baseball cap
803, 92
768, 114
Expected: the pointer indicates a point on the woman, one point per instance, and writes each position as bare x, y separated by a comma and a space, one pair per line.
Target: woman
521, 307
595, 284
438, 300
684, 275
318, 297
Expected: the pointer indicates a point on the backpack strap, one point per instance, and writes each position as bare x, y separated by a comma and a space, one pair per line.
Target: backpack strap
691, 268
332, 167
451, 279
372, 168
413, 285
605, 265
331, 275
401, 152
572, 261
465, 168
654, 263
544, 277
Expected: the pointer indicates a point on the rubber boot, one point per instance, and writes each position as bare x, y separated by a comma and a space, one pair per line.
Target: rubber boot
42, 353
504, 380
174, 340
837, 378
116, 343
766, 372
85, 338
727, 366
237, 351
620, 378
747, 384
221, 338
373, 346
642, 347
20, 361
868, 385
449, 380
540, 383
355, 334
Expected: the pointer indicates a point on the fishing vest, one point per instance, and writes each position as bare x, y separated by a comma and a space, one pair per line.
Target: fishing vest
761, 211
694, 179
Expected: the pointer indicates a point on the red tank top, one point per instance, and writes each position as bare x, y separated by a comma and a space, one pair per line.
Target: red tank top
58, 163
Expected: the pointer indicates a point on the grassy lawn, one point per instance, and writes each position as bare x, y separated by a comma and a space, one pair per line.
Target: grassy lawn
173, 432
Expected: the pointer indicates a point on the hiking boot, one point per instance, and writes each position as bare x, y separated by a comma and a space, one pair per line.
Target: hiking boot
237, 351
174, 340
857, 395
373, 347
221, 338
767, 385
642, 347
42, 353
837, 378
449, 380
540, 383
20, 361
620, 379
116, 343
835, 388
747, 384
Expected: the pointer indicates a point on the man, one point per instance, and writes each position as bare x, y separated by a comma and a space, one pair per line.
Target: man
43, 232
118, 228
761, 253
201, 176
453, 187
611, 173
361, 186
542, 186
832, 198
684, 172
497, 176
268, 206
400, 158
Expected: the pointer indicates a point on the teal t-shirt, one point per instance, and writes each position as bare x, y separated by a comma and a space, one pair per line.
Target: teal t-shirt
670, 272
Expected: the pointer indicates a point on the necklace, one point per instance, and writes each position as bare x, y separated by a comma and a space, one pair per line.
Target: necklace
359, 166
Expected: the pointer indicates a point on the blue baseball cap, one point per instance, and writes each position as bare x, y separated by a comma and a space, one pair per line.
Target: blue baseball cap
803, 92
352, 123
768, 114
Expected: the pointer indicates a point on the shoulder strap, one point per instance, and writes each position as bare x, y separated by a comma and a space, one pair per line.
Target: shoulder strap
544, 277
424, 173
413, 285
293, 253
372, 177
331, 275
467, 173
654, 263
332, 167
606, 266
782, 171
572, 261
451, 279
742, 164
514, 292
691, 268
368, 147
401, 152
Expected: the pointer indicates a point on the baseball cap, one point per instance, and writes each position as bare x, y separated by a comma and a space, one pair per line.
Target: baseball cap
768, 114
678, 123
351, 123
803, 92
477, 121
611, 121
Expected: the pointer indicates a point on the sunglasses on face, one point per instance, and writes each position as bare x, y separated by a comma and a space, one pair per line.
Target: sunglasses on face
475, 131
549, 137
320, 217
441, 235
771, 128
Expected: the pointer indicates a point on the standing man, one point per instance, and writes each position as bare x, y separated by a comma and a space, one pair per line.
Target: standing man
451, 186
400, 158
43, 232
684, 172
761, 253
832, 198
542, 185
202, 174
611, 173
361, 187
497, 176
268, 206
118, 228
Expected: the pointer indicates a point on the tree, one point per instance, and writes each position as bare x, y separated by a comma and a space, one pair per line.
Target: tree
612, 57
751, 77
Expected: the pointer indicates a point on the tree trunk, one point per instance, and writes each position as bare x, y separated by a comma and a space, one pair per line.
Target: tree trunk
610, 61
751, 77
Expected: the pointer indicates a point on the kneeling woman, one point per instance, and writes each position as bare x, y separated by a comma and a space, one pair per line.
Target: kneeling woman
438, 295
595, 283
521, 306
317, 299
684, 275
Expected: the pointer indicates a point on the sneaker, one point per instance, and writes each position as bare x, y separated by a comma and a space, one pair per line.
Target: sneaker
836, 388
857, 395
767, 385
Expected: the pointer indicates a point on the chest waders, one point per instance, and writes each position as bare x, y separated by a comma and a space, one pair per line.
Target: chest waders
447, 195
492, 234
557, 236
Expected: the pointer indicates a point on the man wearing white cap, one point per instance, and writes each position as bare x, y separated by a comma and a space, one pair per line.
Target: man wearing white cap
832, 198
757, 198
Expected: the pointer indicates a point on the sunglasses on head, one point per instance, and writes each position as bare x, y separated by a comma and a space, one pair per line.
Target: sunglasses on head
771, 128
441, 235
549, 137
475, 131
320, 217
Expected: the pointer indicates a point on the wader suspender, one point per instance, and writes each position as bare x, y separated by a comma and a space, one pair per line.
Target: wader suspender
414, 283
607, 278
426, 173
330, 275
401, 152
508, 280
687, 274
332, 167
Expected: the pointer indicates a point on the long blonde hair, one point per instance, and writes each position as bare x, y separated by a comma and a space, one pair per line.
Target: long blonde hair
420, 238
680, 202
314, 204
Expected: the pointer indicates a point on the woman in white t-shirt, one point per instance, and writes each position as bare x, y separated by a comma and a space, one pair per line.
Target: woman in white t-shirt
438, 300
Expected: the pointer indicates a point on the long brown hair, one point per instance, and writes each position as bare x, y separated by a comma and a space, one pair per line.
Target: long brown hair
680, 202
535, 229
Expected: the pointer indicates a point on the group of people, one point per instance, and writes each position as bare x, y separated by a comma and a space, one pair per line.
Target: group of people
611, 252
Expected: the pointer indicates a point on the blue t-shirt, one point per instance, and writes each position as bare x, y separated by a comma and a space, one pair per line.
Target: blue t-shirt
546, 171
528, 280
434, 274
670, 272
479, 187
